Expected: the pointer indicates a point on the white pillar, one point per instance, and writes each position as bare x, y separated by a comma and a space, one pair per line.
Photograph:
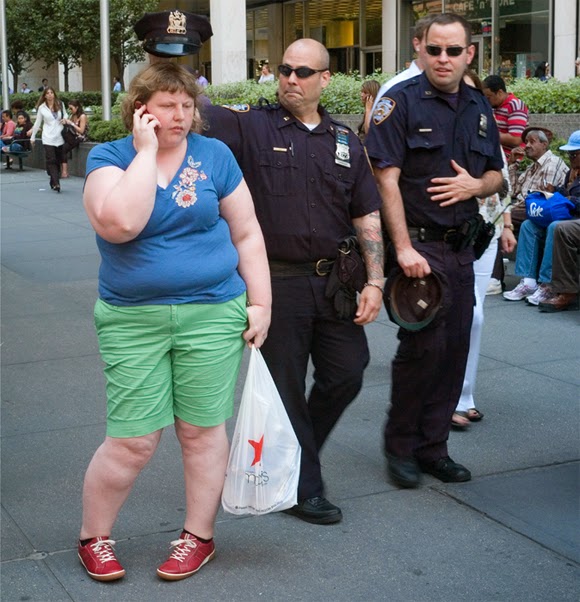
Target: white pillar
390, 36
565, 48
228, 43
75, 78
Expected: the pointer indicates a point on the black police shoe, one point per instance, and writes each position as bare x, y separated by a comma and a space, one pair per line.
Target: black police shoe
403, 472
446, 470
316, 510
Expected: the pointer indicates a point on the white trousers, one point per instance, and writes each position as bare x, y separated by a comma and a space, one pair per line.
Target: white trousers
482, 269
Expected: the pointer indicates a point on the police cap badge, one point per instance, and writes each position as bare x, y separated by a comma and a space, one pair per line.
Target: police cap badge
172, 33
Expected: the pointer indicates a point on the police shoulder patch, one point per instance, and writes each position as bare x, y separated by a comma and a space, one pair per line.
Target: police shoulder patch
239, 108
384, 108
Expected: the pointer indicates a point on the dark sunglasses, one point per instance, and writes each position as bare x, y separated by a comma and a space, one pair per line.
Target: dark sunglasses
301, 72
573, 154
450, 50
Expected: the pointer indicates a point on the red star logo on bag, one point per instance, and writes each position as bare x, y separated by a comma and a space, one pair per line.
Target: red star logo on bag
257, 445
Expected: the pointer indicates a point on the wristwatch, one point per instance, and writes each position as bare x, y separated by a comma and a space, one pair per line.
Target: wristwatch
509, 227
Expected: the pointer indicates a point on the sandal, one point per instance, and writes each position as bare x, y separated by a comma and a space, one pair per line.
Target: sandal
460, 421
473, 415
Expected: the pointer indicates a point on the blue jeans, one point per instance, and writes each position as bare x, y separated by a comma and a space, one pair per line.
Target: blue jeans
534, 254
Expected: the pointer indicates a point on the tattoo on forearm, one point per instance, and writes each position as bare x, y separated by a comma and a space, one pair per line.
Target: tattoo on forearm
370, 239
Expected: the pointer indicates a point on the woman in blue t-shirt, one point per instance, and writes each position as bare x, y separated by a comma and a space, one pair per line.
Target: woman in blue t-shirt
183, 282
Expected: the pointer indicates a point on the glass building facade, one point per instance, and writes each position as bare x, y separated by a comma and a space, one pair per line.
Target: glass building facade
511, 36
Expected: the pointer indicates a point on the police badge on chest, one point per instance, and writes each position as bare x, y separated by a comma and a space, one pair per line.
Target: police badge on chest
342, 152
482, 130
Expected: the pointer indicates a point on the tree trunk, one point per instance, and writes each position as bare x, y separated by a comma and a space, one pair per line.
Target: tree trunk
66, 69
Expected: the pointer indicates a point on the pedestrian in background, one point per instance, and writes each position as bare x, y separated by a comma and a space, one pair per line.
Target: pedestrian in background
415, 68
266, 75
368, 94
49, 115
79, 122
8, 126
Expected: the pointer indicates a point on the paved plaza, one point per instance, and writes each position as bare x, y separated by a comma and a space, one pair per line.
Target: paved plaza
511, 534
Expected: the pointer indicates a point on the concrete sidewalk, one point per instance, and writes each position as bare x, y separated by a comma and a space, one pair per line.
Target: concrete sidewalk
509, 534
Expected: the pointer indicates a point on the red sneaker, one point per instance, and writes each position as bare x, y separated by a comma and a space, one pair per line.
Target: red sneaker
188, 556
98, 558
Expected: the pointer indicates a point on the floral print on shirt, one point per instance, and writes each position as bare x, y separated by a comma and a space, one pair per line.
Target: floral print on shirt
185, 194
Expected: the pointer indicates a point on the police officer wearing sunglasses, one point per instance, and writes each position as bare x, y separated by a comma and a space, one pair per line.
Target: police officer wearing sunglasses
312, 186
435, 148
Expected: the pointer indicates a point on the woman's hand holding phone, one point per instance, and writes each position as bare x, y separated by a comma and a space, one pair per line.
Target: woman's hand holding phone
144, 128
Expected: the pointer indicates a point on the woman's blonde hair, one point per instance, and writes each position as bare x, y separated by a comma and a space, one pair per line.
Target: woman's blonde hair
160, 77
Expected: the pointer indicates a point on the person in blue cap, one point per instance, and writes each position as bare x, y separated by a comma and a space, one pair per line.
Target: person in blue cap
566, 242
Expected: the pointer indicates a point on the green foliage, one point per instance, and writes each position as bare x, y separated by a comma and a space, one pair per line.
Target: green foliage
551, 96
106, 131
19, 53
125, 48
248, 91
65, 32
342, 96
555, 148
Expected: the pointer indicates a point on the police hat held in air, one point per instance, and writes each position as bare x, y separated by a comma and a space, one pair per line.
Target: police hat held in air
172, 33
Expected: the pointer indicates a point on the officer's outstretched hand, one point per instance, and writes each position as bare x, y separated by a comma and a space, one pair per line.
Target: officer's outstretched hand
450, 190
413, 263
369, 305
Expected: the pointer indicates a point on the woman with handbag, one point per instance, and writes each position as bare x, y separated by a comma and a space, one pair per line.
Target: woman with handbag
49, 114
75, 131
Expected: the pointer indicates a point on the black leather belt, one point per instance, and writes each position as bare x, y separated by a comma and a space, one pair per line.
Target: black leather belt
322, 267
448, 235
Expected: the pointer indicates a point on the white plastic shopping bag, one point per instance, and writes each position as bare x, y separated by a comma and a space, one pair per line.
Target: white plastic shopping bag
264, 463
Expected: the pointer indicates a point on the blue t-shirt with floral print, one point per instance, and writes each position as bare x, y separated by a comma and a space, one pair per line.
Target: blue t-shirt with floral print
185, 252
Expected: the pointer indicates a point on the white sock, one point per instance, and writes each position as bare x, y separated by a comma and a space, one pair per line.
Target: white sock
531, 282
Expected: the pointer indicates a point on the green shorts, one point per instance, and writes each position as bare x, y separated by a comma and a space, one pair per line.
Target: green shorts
163, 361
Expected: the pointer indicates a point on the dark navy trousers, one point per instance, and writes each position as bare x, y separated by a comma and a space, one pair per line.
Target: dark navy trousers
304, 326
429, 366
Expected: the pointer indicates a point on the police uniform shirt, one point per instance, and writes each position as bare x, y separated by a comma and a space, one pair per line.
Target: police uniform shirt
304, 199
420, 129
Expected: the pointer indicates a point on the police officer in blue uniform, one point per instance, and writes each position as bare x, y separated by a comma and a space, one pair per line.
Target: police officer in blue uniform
435, 147
312, 185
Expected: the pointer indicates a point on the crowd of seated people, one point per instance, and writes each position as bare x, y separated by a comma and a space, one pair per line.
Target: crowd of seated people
546, 257
19, 141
